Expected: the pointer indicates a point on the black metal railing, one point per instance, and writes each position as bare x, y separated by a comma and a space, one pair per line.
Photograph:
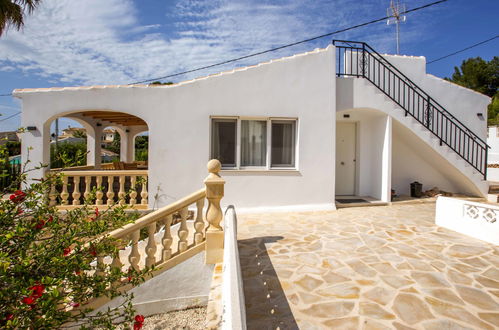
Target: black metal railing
358, 59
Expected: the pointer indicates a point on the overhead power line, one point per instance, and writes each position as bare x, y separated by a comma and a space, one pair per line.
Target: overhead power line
11, 116
283, 46
464, 49
288, 45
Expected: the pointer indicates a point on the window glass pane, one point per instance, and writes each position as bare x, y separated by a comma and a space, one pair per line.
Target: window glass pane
253, 143
283, 143
223, 141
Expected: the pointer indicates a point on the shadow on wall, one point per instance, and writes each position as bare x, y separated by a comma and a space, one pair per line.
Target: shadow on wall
266, 303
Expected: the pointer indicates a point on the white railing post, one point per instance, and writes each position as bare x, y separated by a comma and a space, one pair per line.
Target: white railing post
214, 233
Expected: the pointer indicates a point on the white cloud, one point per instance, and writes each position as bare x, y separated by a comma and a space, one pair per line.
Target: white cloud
95, 41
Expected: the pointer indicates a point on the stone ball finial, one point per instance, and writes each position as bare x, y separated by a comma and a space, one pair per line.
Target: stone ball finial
214, 166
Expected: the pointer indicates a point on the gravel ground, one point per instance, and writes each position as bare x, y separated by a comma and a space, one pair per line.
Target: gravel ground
192, 319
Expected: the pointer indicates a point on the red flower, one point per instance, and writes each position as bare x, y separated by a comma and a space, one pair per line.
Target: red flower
66, 251
96, 212
139, 321
77, 272
50, 219
92, 251
40, 224
37, 290
129, 278
9, 317
18, 196
20, 211
29, 300
74, 305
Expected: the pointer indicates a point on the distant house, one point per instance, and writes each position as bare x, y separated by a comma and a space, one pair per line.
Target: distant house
10, 136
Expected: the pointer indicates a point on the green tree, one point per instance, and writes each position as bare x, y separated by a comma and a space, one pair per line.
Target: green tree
68, 154
483, 77
12, 13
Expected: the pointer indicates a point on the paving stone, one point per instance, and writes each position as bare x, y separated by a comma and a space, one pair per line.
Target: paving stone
465, 251
375, 311
365, 268
444, 324
477, 298
487, 282
411, 309
455, 312
342, 291
430, 279
346, 323
400, 326
309, 283
332, 309
492, 318
396, 281
445, 294
380, 295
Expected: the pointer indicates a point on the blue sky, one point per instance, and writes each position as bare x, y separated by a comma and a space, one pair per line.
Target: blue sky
87, 42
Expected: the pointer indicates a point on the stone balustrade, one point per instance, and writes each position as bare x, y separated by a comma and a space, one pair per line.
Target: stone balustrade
104, 187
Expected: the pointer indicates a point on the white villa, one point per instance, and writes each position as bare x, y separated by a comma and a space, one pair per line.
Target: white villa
295, 134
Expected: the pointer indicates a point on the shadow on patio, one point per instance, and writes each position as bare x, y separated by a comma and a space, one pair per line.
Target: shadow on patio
266, 303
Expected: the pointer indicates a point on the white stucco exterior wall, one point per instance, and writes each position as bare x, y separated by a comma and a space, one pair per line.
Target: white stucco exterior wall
178, 119
461, 102
493, 142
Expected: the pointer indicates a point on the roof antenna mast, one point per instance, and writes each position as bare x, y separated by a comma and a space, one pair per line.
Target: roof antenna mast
395, 12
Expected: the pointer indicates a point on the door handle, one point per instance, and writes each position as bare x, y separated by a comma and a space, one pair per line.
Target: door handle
342, 163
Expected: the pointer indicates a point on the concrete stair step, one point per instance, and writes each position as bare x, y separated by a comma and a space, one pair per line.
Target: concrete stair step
493, 198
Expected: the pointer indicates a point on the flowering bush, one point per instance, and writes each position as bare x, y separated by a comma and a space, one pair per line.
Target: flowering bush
48, 268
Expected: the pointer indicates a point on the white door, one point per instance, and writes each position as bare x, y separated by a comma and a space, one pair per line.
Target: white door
345, 158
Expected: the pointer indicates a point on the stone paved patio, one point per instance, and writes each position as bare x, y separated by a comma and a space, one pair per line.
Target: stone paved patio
383, 267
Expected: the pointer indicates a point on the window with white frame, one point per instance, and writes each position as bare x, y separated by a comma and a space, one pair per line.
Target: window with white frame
254, 143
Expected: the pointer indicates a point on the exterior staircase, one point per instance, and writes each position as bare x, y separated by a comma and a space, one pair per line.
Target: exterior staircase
493, 195
411, 106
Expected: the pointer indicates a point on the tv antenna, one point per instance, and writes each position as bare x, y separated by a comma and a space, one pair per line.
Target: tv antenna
395, 13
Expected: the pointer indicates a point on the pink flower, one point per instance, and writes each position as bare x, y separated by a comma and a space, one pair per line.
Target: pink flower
74, 304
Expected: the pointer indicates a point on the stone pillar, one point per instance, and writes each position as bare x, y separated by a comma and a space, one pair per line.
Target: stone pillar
127, 150
35, 147
214, 233
94, 136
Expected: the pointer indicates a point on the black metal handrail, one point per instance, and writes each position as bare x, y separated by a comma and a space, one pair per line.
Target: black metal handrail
361, 60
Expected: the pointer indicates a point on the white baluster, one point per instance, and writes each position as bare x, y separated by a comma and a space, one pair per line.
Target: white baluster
64, 192
151, 245
134, 257
52, 195
110, 192
143, 193
121, 193
167, 239
133, 191
76, 191
199, 223
183, 232
99, 194
86, 194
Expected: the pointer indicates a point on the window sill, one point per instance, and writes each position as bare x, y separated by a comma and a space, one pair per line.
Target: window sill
262, 170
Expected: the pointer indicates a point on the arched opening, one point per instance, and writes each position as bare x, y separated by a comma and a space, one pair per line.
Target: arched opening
96, 150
